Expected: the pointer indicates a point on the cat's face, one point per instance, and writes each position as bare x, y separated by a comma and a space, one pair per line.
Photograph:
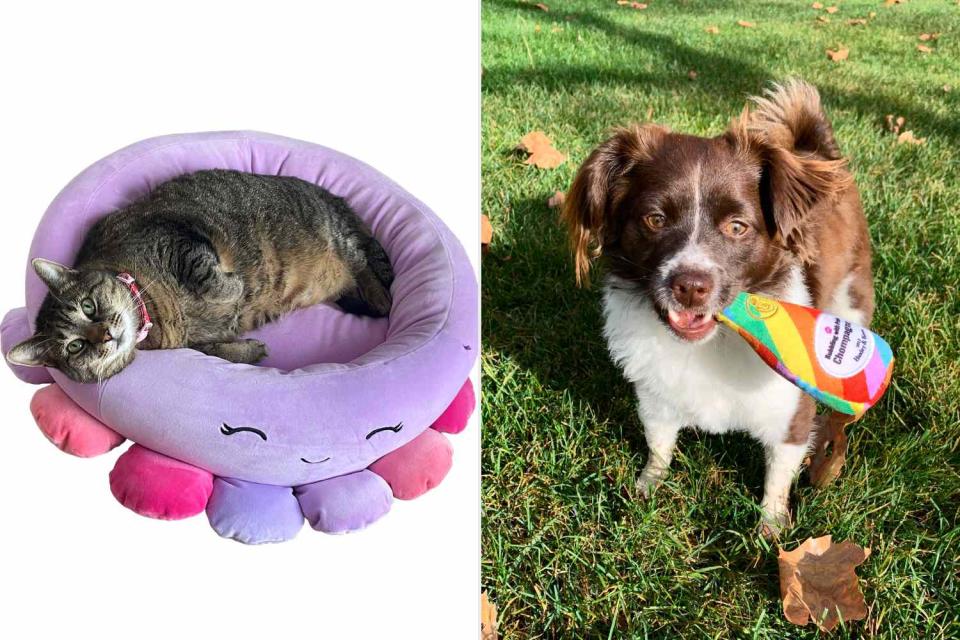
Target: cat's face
87, 325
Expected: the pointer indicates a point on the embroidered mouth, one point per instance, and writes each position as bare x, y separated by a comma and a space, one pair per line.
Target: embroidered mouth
314, 461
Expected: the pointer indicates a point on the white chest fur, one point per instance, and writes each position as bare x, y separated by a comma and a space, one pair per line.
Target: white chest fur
718, 386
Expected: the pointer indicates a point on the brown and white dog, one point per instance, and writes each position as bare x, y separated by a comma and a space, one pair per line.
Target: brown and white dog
685, 223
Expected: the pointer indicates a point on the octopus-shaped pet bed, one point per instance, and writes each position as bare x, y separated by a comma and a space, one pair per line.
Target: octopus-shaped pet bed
344, 415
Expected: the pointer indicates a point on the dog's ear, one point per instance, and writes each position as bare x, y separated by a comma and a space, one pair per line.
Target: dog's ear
600, 185
789, 137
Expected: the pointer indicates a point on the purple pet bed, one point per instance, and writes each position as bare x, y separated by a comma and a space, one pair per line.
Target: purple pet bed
346, 412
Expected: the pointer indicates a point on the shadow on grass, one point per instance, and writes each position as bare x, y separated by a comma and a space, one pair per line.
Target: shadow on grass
728, 79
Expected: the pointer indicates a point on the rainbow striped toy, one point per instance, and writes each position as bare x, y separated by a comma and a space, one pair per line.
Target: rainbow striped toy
843, 365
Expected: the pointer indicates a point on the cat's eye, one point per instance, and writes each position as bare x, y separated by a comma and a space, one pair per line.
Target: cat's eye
88, 307
76, 346
655, 221
735, 228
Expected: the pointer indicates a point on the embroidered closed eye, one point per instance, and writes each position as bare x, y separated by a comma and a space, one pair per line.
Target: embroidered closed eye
227, 430
395, 428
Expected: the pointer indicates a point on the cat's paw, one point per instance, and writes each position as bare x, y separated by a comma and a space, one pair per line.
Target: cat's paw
257, 350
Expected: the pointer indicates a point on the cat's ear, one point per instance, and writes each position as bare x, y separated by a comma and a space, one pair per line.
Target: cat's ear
56, 276
33, 352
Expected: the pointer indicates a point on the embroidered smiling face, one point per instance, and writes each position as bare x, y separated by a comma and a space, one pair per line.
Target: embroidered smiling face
86, 327
227, 430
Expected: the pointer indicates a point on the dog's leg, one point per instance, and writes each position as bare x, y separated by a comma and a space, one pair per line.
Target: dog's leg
783, 464
661, 433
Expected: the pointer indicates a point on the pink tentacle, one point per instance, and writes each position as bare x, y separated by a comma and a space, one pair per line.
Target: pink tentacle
156, 486
68, 426
454, 418
417, 466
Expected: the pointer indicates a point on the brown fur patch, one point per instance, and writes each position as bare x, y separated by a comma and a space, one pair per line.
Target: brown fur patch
598, 188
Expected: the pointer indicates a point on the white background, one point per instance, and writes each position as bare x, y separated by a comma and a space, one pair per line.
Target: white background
395, 84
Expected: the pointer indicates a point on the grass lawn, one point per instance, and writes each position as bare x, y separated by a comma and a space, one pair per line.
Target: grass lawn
569, 548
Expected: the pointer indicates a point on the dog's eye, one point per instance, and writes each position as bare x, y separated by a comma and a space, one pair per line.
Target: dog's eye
655, 221
735, 228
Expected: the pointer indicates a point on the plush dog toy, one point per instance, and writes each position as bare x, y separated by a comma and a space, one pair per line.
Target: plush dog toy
843, 365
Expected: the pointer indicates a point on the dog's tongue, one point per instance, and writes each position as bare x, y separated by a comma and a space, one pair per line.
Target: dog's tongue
687, 320
690, 325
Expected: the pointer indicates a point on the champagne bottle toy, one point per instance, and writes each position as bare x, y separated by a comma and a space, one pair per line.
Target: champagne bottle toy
843, 365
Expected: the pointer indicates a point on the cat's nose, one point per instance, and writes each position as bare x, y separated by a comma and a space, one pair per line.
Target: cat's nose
99, 332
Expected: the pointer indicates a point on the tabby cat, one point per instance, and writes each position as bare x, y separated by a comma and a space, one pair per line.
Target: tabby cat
205, 257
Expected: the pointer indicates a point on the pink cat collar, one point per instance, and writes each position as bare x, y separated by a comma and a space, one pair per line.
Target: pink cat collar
145, 323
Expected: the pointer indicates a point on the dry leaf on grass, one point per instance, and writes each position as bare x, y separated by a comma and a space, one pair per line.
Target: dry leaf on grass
692, 74
817, 5
838, 54
823, 19
833, 9
856, 21
542, 153
637, 5
929, 36
486, 232
922, 48
714, 29
746, 25
556, 200
907, 137
818, 582
488, 618
894, 124
542, 6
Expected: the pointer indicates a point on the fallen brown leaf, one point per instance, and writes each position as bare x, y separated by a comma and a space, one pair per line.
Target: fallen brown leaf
894, 124
746, 25
907, 137
692, 74
714, 29
542, 6
488, 618
542, 153
929, 36
556, 200
922, 48
817, 5
839, 54
818, 582
623, 2
833, 9
637, 5
856, 21
486, 232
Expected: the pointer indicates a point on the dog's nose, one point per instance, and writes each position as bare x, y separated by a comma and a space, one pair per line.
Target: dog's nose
692, 288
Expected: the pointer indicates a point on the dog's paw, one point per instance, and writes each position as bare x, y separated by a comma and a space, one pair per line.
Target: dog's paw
773, 524
647, 484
